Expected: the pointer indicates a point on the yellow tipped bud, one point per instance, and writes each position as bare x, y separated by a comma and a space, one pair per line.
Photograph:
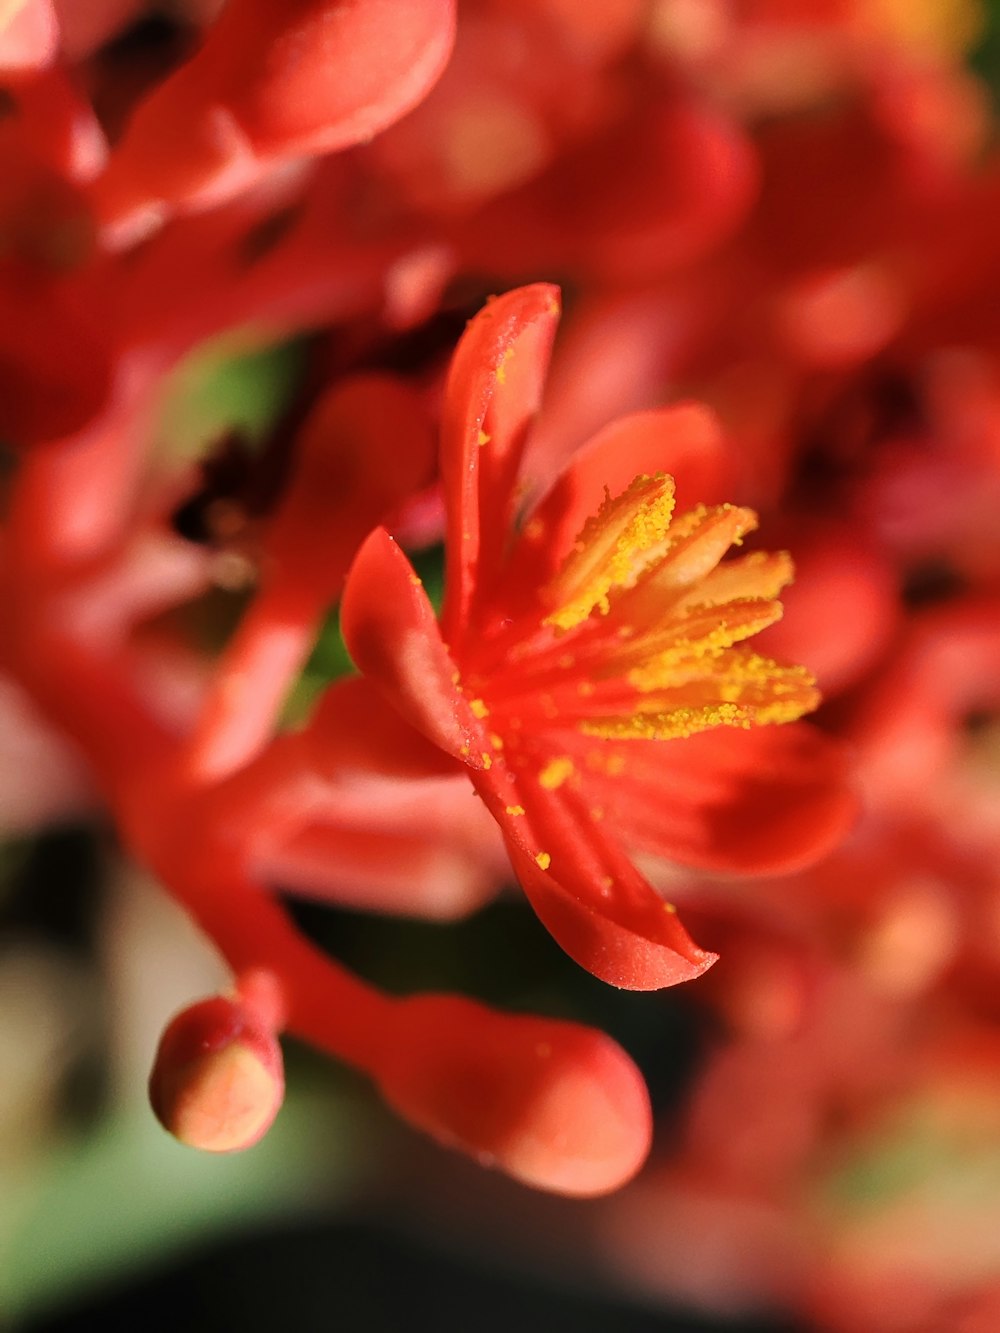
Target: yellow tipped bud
217, 1081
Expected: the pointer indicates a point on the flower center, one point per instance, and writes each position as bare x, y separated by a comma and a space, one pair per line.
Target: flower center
640, 638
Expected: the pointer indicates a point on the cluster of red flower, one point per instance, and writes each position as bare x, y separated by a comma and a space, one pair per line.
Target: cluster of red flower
776, 218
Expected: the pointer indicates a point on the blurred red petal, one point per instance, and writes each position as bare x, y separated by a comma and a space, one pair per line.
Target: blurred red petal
274, 80
767, 800
392, 634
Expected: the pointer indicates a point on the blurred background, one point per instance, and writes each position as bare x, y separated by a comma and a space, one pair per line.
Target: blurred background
822, 266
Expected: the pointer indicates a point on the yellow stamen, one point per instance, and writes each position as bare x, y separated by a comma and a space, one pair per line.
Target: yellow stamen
736, 689
612, 550
682, 645
666, 662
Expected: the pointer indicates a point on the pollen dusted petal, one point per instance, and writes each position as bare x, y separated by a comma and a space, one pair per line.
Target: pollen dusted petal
643, 646
682, 638
683, 440
493, 392
736, 689
612, 550
640, 949
761, 574
587, 893
698, 540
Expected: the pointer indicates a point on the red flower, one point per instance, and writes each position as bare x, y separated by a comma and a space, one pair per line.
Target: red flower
570, 647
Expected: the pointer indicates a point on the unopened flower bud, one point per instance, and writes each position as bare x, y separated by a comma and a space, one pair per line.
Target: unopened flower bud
557, 1105
218, 1079
272, 81
29, 35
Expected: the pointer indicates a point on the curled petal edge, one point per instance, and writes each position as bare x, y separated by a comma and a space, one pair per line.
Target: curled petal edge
392, 634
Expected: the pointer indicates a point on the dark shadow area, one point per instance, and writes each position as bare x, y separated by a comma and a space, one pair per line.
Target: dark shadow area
358, 1279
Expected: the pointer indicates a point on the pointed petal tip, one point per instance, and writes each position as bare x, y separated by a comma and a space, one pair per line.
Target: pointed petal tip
628, 945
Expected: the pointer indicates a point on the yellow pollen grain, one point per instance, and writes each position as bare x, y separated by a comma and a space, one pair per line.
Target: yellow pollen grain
483, 438
607, 882
464, 751
671, 908
515, 810
555, 772
543, 860
496, 741
416, 580
501, 370
672, 724
478, 708
487, 759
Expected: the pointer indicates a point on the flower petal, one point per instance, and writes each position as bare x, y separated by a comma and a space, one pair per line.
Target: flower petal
349, 447
585, 891
767, 800
684, 440
647, 951
493, 392
391, 632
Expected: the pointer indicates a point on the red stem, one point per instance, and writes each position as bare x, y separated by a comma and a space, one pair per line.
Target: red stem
183, 831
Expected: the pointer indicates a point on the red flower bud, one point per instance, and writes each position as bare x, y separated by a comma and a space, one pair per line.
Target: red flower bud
557, 1105
274, 80
218, 1080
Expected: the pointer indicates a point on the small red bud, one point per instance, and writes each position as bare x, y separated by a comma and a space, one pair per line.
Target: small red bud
218, 1080
557, 1105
